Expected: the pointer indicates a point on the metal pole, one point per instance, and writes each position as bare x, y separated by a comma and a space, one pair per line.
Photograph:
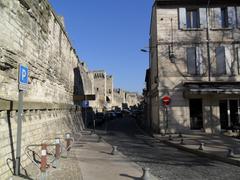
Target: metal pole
166, 108
85, 112
19, 132
208, 46
229, 113
94, 125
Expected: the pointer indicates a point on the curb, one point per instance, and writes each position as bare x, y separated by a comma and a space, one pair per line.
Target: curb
202, 153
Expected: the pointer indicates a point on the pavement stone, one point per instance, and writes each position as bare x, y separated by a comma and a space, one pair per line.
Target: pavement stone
215, 146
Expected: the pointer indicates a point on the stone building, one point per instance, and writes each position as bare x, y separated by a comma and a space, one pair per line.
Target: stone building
100, 89
32, 34
106, 96
109, 90
194, 59
119, 98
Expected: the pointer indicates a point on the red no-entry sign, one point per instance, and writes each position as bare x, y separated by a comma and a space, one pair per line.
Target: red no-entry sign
166, 100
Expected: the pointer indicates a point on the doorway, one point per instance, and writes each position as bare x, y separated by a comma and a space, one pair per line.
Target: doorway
196, 114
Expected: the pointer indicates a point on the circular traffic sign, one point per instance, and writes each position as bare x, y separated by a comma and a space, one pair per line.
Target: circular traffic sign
166, 100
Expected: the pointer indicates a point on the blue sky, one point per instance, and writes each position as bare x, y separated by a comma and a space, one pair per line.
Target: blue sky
109, 34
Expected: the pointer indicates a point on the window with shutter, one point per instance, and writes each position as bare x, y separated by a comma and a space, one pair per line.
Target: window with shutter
216, 18
182, 18
220, 60
191, 60
238, 16
238, 59
229, 59
199, 61
231, 16
203, 17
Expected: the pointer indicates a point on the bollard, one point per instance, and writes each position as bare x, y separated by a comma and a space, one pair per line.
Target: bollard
43, 165
201, 146
57, 153
170, 137
230, 153
114, 150
146, 174
68, 141
181, 142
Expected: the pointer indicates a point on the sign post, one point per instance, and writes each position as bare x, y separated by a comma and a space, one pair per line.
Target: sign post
85, 105
166, 101
22, 86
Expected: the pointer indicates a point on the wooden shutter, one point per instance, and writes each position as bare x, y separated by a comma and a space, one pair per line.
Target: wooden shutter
220, 60
238, 59
182, 18
216, 18
191, 60
231, 16
238, 16
228, 59
199, 61
203, 17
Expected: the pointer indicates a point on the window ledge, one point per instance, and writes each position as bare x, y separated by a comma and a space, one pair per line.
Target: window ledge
221, 29
192, 29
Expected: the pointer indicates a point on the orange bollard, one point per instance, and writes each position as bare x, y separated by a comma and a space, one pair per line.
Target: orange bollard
58, 149
43, 166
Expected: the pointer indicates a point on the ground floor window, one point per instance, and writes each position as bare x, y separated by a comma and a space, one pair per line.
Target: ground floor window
196, 114
230, 114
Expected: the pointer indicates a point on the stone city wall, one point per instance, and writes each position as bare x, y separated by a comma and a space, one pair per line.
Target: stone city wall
32, 34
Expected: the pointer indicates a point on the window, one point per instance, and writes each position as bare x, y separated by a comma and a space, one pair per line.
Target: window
238, 16
194, 61
220, 60
193, 20
224, 60
224, 17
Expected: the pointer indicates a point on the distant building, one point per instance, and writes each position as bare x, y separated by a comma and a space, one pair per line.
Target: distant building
194, 59
100, 89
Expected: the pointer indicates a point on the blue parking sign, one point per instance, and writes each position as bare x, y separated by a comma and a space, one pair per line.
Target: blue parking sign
85, 104
23, 74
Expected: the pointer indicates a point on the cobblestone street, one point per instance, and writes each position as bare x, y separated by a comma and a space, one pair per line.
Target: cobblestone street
165, 162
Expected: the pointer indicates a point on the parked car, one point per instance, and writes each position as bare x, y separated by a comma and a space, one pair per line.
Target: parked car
118, 114
99, 118
110, 115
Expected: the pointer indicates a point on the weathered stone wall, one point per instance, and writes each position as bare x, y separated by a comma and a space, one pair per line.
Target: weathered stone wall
99, 81
109, 89
32, 34
118, 97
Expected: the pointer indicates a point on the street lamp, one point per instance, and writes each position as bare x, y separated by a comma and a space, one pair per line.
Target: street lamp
144, 50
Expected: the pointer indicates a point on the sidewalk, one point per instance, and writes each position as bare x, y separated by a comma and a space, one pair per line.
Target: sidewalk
215, 146
97, 162
89, 159
69, 169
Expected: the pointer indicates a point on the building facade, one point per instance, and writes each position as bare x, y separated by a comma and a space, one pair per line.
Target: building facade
194, 59
100, 89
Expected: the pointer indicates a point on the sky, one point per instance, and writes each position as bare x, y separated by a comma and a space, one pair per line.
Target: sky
108, 35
